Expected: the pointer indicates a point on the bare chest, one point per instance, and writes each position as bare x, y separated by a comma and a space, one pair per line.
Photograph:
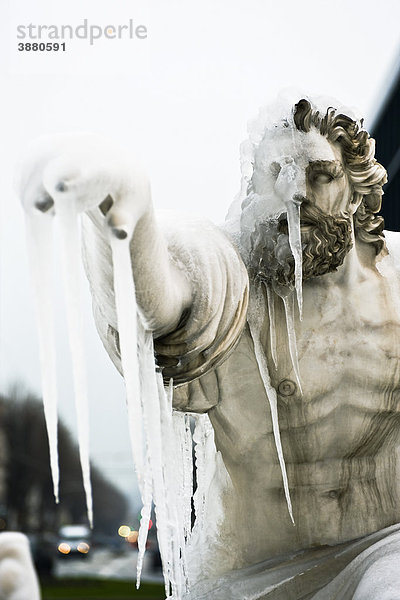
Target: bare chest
345, 346
349, 365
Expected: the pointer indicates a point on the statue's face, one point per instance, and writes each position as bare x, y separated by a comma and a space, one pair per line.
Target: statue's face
302, 168
290, 163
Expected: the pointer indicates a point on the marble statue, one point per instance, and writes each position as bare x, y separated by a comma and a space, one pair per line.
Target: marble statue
18, 580
292, 306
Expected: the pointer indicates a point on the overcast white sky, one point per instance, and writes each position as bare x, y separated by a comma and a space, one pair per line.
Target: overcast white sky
182, 98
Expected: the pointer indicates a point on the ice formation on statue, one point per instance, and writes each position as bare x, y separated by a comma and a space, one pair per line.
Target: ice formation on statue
260, 331
67, 215
40, 251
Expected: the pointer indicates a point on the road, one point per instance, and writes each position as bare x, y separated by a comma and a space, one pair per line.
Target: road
103, 563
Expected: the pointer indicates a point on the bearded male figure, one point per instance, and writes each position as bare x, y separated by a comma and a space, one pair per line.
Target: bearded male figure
334, 373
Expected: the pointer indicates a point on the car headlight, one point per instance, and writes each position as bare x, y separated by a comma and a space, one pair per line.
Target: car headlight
64, 548
83, 547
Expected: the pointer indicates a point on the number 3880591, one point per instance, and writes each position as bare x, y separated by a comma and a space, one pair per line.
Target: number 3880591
41, 47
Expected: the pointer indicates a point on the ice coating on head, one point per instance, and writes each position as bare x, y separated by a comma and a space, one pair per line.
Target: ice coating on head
273, 121
274, 162
264, 219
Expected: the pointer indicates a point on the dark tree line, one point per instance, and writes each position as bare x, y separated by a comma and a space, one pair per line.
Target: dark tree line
28, 504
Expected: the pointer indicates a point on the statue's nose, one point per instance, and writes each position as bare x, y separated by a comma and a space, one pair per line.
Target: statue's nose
44, 203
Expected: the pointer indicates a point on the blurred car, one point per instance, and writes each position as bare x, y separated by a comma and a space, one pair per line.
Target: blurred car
74, 540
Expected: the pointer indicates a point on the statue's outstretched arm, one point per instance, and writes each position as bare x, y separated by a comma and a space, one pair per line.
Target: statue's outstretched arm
191, 284
114, 195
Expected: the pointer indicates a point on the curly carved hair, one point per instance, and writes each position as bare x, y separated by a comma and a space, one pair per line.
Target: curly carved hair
366, 175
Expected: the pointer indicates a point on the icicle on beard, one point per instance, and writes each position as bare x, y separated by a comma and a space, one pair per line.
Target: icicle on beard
326, 241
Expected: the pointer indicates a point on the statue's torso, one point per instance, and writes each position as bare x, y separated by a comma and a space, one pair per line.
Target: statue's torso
338, 438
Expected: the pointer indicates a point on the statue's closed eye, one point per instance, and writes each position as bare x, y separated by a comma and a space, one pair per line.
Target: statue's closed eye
323, 171
323, 178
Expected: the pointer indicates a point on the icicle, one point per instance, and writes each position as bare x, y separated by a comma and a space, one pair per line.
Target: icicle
180, 489
288, 302
202, 434
179, 485
182, 474
67, 221
125, 302
293, 219
152, 423
187, 465
272, 323
256, 319
40, 250
290, 186
147, 500
126, 308
174, 476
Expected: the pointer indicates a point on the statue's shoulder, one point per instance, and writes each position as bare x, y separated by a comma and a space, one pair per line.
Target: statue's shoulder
196, 236
392, 239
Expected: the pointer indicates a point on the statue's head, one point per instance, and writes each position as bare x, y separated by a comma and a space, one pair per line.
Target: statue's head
365, 175
323, 162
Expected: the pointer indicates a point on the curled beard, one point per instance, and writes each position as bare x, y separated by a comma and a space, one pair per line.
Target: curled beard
326, 240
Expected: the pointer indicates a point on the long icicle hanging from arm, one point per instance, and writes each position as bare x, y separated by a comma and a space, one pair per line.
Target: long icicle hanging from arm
125, 303
68, 220
126, 309
40, 250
